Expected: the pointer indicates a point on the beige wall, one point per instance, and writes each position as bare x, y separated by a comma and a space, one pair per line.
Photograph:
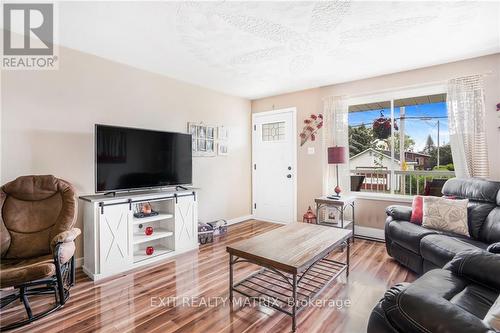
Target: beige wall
370, 213
48, 120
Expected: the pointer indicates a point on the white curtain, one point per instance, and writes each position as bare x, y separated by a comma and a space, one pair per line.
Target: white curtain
335, 111
466, 117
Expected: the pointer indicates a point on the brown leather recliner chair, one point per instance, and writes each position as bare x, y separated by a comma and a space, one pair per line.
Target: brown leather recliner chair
37, 241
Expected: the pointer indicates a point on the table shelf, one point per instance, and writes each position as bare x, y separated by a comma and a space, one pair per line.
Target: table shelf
149, 219
140, 238
140, 255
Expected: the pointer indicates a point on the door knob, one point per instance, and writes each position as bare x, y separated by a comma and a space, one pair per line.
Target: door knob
289, 176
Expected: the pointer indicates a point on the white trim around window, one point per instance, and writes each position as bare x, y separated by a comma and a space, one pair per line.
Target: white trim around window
387, 95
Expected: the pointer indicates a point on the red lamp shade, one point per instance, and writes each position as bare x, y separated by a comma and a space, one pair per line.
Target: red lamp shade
336, 155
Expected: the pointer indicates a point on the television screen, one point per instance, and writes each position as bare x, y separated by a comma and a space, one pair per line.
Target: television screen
131, 158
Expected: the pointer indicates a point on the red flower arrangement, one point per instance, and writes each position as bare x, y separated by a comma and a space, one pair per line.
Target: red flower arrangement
382, 127
312, 125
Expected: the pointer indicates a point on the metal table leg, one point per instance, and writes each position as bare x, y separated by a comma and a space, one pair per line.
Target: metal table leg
294, 298
231, 278
347, 258
353, 221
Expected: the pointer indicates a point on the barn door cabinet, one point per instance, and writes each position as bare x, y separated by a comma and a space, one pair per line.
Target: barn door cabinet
116, 241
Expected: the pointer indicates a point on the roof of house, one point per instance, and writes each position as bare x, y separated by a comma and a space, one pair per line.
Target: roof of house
387, 154
378, 152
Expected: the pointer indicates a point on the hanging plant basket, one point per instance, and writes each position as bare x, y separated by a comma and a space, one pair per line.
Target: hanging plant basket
382, 127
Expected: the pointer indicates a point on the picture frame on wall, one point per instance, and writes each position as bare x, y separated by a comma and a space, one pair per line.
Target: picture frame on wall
202, 132
194, 145
202, 145
211, 133
223, 141
210, 145
223, 148
203, 139
223, 133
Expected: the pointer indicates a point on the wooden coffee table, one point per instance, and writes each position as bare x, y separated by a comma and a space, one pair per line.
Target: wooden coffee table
294, 265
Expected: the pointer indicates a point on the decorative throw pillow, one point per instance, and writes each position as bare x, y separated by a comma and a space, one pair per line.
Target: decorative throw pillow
417, 210
446, 215
492, 318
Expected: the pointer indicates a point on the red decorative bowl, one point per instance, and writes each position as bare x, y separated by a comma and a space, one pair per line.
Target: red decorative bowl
148, 231
150, 250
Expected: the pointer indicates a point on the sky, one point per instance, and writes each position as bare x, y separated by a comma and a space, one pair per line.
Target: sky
417, 129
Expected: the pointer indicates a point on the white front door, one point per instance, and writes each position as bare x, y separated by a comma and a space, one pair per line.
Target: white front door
274, 166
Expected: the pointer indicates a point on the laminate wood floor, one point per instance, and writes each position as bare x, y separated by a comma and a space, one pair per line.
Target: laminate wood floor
189, 294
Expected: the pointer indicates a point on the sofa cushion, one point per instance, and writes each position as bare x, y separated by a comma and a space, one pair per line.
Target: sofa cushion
477, 215
474, 189
446, 215
407, 234
16, 271
417, 210
475, 299
441, 248
490, 230
422, 305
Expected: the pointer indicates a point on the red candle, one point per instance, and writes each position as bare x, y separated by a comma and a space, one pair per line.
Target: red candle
150, 250
148, 231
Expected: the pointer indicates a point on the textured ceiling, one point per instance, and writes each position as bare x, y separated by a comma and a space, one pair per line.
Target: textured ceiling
256, 49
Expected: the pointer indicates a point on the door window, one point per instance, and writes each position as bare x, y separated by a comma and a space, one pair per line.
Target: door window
273, 131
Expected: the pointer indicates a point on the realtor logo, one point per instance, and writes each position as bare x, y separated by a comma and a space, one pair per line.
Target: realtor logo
28, 36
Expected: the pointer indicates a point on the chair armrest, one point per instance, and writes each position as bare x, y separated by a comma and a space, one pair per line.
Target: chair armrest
494, 248
413, 309
63, 245
65, 237
479, 266
399, 212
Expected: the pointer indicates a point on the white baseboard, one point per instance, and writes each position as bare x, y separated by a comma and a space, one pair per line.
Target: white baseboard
369, 232
79, 262
239, 219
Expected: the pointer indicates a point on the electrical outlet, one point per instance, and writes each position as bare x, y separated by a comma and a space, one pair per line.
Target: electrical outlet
310, 150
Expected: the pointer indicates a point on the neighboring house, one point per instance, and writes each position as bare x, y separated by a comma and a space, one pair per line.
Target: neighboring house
381, 160
422, 161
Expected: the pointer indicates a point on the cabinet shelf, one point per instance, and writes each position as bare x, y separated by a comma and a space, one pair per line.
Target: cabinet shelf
149, 219
142, 238
159, 251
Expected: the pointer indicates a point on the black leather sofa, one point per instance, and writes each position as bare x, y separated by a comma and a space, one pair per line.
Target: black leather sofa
454, 299
422, 249
462, 279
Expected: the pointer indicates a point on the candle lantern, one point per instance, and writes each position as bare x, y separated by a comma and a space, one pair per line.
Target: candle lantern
309, 216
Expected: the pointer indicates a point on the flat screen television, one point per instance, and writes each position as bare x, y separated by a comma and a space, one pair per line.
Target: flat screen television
132, 158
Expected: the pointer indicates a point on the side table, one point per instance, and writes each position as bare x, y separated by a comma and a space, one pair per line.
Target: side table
340, 204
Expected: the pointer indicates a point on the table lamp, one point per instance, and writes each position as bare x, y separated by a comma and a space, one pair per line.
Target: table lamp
336, 155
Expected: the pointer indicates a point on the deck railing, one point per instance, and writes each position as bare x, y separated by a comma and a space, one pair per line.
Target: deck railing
405, 182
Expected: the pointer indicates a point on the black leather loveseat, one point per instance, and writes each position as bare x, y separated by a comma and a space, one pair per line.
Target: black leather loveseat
450, 300
422, 249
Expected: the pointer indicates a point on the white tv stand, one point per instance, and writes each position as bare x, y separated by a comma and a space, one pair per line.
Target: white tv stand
115, 241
